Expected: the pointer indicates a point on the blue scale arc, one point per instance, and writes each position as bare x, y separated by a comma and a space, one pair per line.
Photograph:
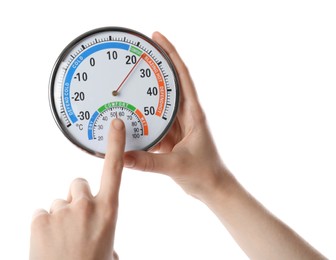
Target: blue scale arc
74, 66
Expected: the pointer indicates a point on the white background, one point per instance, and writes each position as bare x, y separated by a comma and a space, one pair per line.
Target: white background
265, 72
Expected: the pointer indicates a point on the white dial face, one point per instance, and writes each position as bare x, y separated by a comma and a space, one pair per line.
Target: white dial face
113, 73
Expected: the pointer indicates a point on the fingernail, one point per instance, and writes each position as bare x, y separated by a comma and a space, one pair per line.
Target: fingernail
118, 124
129, 161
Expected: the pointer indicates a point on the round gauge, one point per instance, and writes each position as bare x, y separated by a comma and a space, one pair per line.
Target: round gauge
110, 73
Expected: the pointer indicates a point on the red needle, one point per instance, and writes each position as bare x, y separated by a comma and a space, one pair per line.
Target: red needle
115, 92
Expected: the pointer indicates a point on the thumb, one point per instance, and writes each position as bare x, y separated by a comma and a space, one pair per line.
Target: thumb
149, 162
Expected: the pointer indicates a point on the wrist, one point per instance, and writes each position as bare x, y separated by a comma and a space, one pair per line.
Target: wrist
222, 191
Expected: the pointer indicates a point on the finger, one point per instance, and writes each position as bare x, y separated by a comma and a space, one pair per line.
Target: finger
169, 141
57, 205
39, 212
79, 188
150, 162
188, 90
113, 164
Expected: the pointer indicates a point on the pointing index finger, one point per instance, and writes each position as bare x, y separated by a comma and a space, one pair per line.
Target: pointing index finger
113, 164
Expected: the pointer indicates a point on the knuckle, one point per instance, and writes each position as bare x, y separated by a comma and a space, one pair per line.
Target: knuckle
109, 205
106, 214
79, 180
148, 165
110, 213
107, 201
118, 166
56, 203
40, 222
84, 205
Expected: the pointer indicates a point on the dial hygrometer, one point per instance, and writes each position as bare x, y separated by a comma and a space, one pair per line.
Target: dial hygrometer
110, 73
